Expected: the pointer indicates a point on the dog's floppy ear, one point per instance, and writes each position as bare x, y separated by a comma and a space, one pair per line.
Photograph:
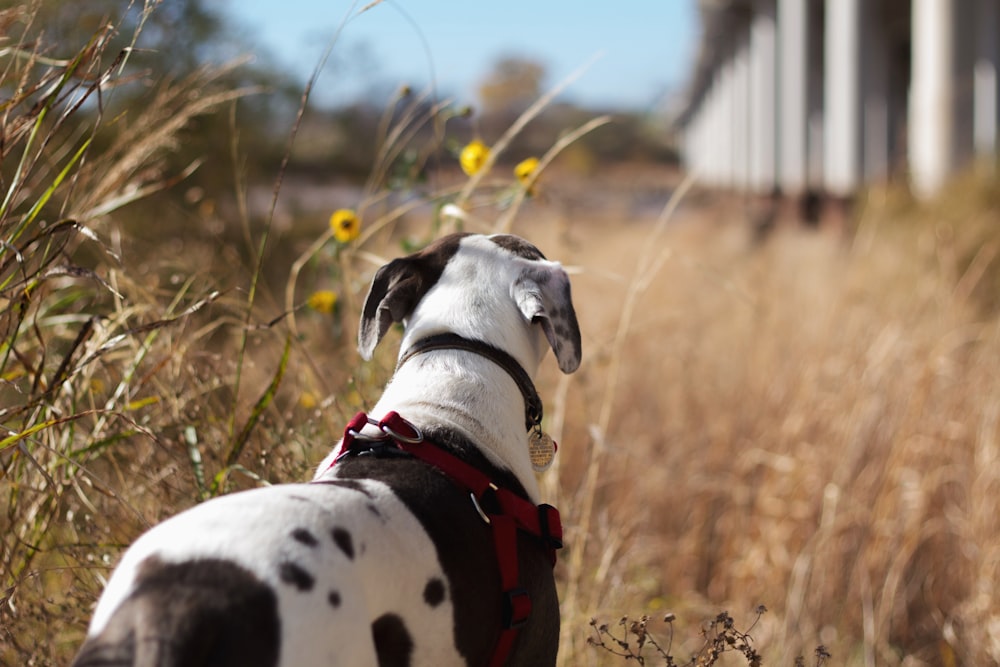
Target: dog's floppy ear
396, 289
544, 298
399, 286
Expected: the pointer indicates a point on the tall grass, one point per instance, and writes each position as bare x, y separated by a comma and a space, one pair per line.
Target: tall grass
104, 370
808, 424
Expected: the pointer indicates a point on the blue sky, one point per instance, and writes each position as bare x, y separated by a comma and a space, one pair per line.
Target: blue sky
646, 46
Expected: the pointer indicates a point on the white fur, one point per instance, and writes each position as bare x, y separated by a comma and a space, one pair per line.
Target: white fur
251, 529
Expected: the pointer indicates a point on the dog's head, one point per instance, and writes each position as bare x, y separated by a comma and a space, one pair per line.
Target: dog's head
499, 289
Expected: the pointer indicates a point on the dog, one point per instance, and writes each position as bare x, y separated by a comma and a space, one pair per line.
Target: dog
420, 541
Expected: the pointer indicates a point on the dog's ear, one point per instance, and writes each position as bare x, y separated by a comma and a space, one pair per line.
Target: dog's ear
399, 286
396, 289
544, 298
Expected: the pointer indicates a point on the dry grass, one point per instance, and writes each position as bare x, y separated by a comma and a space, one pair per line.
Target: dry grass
809, 424
108, 382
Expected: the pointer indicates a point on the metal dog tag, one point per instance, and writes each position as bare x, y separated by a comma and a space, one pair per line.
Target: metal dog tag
541, 449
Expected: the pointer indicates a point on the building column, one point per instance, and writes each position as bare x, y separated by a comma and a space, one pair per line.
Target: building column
875, 95
711, 175
740, 118
705, 159
763, 111
931, 95
842, 95
986, 110
793, 88
815, 85
726, 151
695, 139
701, 151
719, 131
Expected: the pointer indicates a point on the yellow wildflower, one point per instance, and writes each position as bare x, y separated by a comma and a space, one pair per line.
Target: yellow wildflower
322, 301
525, 170
308, 400
345, 225
473, 157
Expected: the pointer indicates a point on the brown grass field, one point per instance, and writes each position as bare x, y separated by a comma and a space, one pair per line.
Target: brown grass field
808, 421
809, 424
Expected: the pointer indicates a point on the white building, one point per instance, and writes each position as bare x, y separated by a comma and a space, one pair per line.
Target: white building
821, 96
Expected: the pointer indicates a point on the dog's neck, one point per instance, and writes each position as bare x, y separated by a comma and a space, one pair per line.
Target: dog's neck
471, 394
533, 410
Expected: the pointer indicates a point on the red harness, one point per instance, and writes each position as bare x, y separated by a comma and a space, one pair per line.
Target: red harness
512, 513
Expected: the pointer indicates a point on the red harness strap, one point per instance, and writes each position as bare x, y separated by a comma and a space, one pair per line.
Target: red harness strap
508, 513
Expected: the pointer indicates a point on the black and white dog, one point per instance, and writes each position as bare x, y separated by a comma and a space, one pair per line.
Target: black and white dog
420, 541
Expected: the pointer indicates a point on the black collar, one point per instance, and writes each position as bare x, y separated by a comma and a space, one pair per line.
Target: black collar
450, 341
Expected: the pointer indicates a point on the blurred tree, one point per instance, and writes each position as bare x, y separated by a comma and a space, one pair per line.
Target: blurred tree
178, 37
512, 85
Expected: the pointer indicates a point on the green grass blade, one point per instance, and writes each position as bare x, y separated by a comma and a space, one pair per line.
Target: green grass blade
258, 409
49, 191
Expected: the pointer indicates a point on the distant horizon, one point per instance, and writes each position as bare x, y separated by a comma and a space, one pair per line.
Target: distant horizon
640, 51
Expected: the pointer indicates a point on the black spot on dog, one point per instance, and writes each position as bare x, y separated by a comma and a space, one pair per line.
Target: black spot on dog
295, 575
393, 643
305, 537
342, 539
434, 592
518, 246
334, 599
188, 613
